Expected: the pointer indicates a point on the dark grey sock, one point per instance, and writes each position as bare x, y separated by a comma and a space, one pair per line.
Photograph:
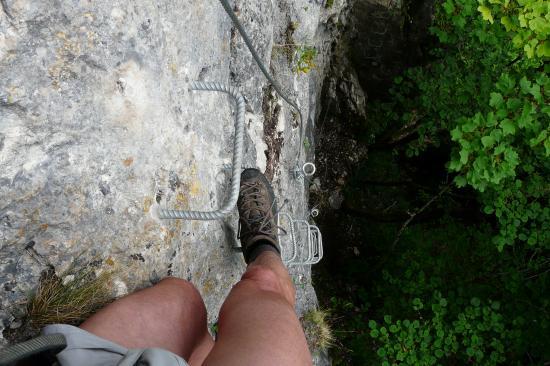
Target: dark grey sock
259, 248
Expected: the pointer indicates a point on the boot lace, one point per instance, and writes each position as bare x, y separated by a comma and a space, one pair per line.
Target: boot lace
252, 216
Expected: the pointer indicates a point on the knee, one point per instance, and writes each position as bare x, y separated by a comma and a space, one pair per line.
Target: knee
265, 279
179, 283
180, 287
183, 293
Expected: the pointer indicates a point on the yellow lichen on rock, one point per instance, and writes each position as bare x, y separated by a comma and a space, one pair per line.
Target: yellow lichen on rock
147, 202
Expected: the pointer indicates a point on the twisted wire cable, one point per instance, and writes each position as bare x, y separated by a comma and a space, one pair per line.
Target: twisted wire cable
266, 73
239, 129
238, 147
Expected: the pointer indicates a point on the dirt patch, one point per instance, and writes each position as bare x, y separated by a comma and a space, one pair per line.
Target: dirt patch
338, 151
273, 139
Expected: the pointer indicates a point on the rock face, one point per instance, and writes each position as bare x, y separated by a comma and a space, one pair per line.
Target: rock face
97, 126
388, 36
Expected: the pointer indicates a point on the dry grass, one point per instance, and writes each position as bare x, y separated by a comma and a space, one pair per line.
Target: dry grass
70, 301
318, 330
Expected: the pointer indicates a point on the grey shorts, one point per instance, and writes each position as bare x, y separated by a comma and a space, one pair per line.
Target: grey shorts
86, 349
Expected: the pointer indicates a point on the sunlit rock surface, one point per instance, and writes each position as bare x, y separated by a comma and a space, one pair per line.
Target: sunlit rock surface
98, 128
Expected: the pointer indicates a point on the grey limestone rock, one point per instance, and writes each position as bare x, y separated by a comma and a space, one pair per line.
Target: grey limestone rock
97, 127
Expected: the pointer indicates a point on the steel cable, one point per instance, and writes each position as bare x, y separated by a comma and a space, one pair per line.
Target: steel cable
236, 164
276, 86
239, 130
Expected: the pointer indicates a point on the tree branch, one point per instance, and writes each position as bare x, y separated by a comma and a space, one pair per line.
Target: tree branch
418, 211
403, 133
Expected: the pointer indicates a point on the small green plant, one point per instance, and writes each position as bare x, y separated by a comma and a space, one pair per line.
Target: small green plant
318, 330
70, 301
300, 56
214, 329
477, 334
304, 59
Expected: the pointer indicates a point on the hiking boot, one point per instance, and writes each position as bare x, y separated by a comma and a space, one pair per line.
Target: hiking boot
257, 210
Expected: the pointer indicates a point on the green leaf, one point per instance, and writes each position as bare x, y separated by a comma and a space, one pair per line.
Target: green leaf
479, 355
454, 165
512, 157
508, 127
538, 25
513, 104
469, 127
381, 352
525, 85
502, 113
506, 83
537, 140
522, 21
475, 302
535, 92
487, 141
507, 23
491, 120
525, 119
372, 324
543, 49
496, 100
459, 21
456, 133
463, 156
486, 13
496, 134
449, 7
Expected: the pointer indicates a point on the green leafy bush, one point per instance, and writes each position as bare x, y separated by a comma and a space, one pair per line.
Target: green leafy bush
447, 298
475, 334
465, 288
505, 150
488, 91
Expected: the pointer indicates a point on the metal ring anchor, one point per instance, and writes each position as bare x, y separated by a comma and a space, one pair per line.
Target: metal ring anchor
238, 148
309, 169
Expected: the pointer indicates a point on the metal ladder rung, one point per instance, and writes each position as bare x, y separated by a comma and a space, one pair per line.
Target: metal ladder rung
293, 251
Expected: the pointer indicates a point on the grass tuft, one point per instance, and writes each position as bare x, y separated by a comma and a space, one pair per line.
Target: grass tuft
318, 330
69, 301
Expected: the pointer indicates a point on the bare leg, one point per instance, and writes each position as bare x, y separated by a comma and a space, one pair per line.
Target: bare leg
258, 324
169, 315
